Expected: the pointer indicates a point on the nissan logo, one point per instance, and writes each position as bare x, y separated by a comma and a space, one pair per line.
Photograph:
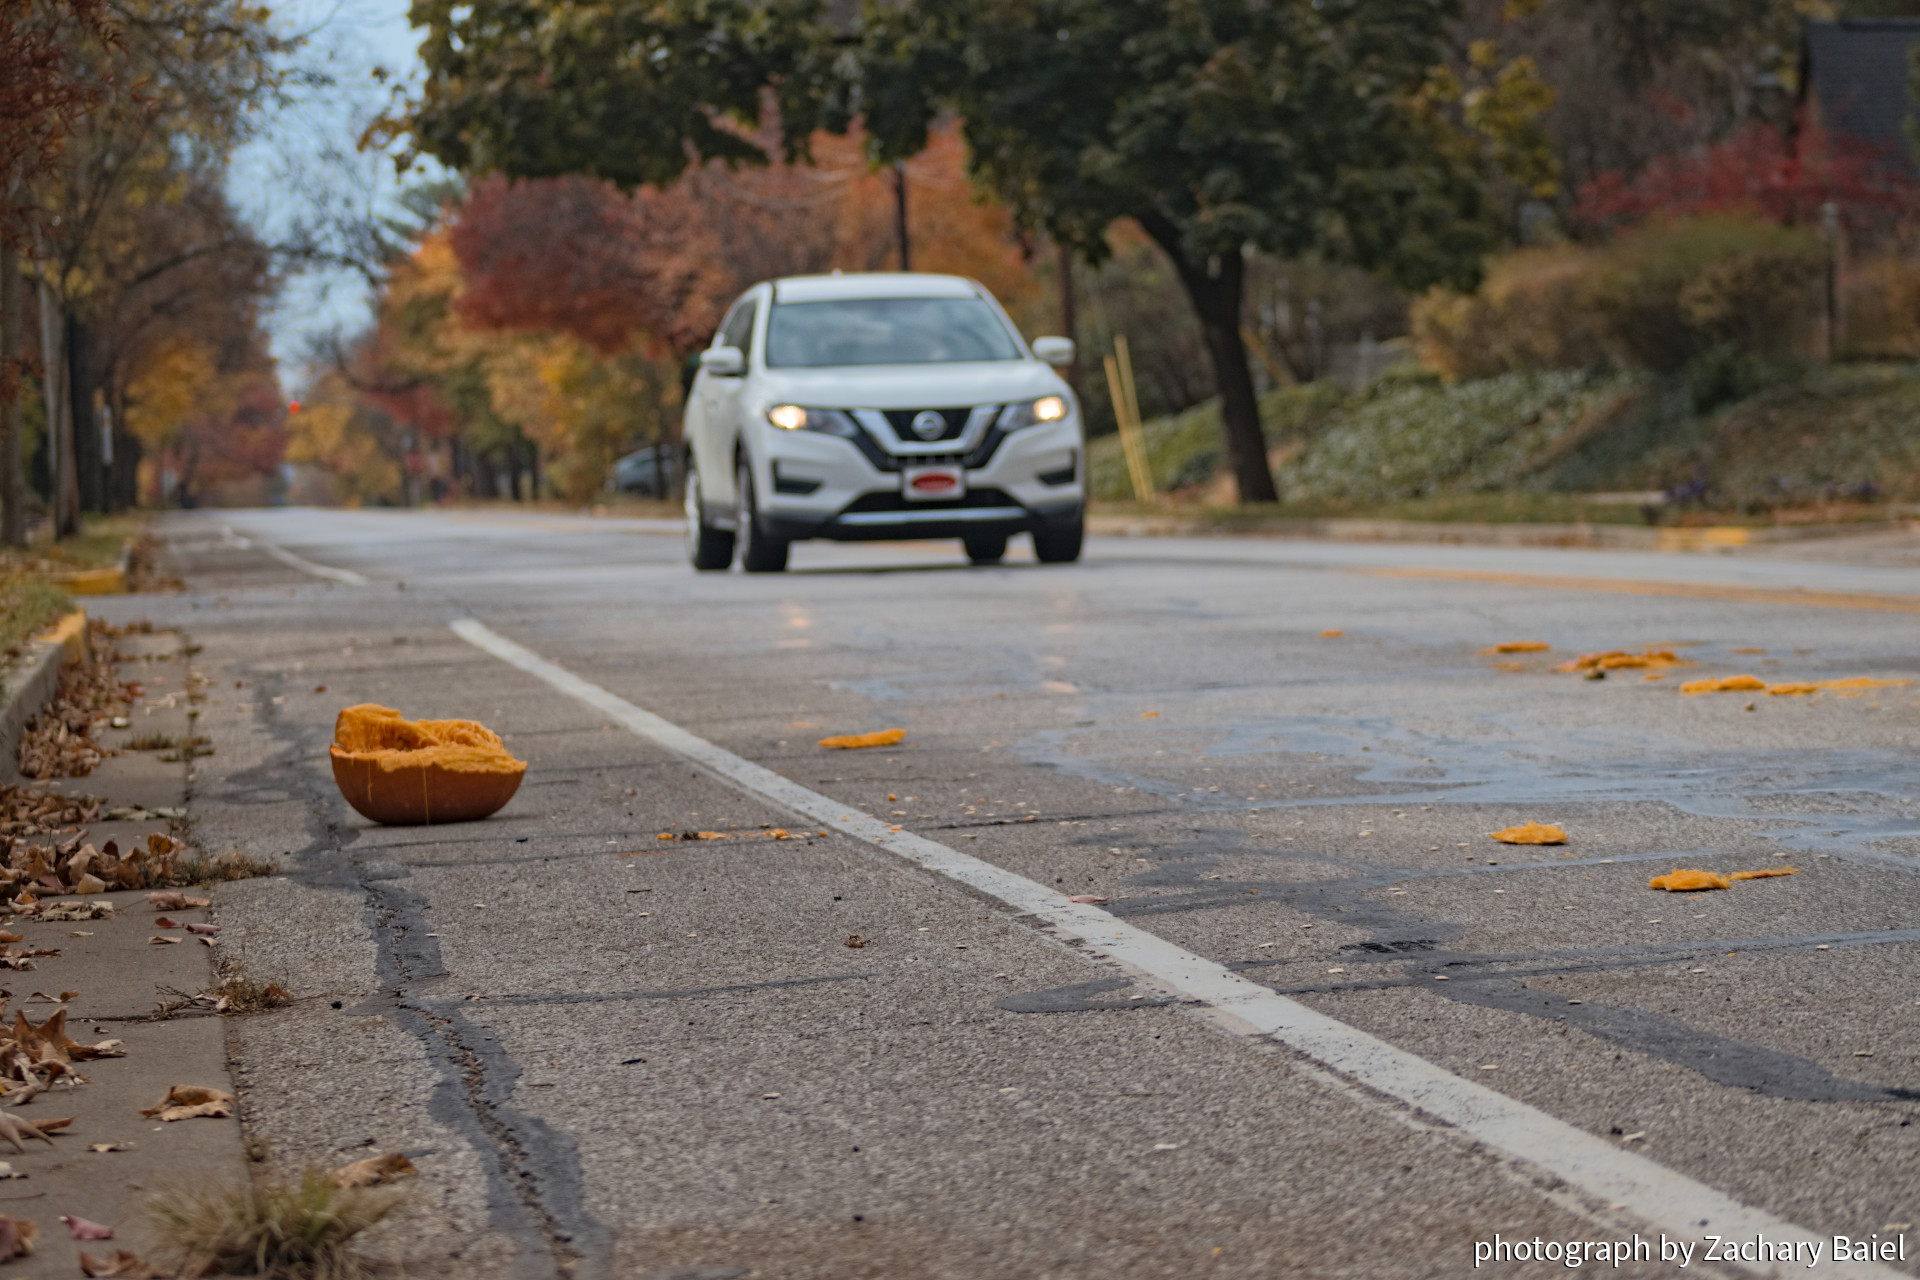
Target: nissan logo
929, 425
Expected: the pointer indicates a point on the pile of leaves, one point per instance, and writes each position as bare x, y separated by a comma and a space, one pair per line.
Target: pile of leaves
59, 743
73, 865
26, 811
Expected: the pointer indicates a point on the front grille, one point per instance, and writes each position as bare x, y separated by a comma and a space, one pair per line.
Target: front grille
901, 420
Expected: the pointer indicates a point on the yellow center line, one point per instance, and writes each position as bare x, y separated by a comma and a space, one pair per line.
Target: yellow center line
1868, 600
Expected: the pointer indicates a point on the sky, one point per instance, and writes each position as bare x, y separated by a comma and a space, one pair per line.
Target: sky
302, 159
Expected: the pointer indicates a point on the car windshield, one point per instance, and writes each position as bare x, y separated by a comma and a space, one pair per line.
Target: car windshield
853, 331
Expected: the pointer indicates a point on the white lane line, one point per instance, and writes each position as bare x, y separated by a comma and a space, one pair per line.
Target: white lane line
304, 565
1665, 1200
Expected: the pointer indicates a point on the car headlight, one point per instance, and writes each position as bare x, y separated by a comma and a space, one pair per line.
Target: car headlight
832, 422
1033, 412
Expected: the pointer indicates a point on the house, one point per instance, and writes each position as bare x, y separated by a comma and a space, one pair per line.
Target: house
1853, 82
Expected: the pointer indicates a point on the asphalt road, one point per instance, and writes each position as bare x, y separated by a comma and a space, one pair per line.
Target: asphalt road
1322, 1025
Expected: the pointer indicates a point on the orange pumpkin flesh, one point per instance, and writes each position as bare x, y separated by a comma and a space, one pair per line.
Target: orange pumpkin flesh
406, 772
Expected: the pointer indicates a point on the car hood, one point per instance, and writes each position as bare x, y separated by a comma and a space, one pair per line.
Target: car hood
911, 386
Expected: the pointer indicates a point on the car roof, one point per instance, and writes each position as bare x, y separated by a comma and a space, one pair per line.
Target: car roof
872, 284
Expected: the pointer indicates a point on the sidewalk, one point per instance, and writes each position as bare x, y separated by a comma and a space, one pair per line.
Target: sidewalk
109, 979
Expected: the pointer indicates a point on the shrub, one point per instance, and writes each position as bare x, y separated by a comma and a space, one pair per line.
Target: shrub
1668, 293
1530, 314
1882, 310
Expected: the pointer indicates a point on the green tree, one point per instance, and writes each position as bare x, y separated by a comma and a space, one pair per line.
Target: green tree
1292, 126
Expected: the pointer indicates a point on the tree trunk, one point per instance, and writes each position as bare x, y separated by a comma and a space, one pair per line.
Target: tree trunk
89, 460
1216, 288
1069, 319
13, 485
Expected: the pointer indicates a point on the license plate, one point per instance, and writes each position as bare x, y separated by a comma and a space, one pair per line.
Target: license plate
931, 484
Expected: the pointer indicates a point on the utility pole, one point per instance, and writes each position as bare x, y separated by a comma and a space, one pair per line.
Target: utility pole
900, 213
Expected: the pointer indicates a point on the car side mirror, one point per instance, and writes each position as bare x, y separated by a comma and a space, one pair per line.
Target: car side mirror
724, 362
1057, 352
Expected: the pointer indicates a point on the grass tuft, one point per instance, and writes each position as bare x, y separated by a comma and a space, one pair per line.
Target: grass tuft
274, 1229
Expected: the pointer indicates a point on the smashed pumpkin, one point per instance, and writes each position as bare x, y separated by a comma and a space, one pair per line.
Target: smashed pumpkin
857, 741
405, 772
1679, 881
1530, 833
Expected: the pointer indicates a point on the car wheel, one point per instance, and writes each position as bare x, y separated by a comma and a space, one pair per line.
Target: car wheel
759, 553
708, 548
1059, 543
985, 548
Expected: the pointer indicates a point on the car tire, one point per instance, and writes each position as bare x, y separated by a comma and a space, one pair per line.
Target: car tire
709, 549
759, 552
1059, 543
985, 548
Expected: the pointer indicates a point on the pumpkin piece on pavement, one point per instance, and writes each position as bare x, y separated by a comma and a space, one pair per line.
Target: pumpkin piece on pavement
406, 772
1531, 833
854, 741
1679, 881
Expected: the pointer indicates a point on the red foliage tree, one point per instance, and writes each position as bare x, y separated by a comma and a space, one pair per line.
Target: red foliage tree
1760, 170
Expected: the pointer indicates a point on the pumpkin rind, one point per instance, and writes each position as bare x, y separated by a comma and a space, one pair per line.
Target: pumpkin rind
406, 772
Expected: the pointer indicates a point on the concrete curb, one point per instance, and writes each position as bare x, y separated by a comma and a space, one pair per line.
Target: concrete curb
32, 679
1617, 536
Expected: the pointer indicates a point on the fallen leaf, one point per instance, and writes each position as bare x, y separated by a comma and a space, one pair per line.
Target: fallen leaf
1519, 646
1767, 874
85, 1230
160, 939
854, 741
14, 1128
1679, 881
1531, 833
1728, 684
70, 995
186, 1101
125, 1264
172, 900
373, 1171
16, 1237
166, 922
54, 911
855, 941
208, 929
1086, 897
90, 883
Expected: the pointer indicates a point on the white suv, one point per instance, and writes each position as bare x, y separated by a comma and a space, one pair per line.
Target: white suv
875, 406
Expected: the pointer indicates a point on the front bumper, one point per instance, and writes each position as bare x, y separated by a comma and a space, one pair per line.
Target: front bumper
819, 486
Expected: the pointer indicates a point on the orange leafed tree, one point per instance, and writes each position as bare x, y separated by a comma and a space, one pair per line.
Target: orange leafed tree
658, 268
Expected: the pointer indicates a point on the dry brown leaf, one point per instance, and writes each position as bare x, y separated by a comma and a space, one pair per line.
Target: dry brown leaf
172, 900
1767, 874
373, 1171
854, 741
161, 939
855, 941
56, 911
89, 883
1679, 881
125, 1264
1085, 897
208, 929
1728, 684
1530, 833
15, 1129
16, 1237
186, 1101
1519, 646
85, 1230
